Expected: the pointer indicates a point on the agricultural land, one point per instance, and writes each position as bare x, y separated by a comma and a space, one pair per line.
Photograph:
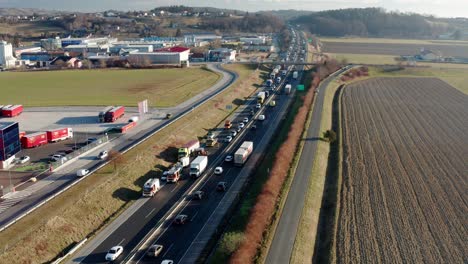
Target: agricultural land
403, 195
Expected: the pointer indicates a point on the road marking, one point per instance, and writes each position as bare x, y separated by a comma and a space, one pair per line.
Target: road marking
150, 212
169, 248
191, 220
121, 242
175, 187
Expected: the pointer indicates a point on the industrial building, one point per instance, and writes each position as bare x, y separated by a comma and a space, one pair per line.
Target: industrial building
222, 54
6, 55
87, 41
20, 50
173, 55
9, 143
88, 49
51, 43
197, 39
253, 40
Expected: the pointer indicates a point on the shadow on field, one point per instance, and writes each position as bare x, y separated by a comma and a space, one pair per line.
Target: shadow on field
238, 101
126, 194
312, 139
141, 181
169, 154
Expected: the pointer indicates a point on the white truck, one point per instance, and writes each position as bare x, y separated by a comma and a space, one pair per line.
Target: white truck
295, 75
198, 166
287, 89
185, 161
243, 153
151, 187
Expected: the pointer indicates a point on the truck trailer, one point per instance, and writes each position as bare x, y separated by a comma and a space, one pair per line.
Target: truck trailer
188, 148
12, 110
34, 140
151, 187
114, 114
126, 127
243, 153
59, 134
261, 97
198, 166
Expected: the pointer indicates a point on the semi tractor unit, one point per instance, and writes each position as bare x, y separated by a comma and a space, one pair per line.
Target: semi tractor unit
174, 173
261, 97
187, 149
34, 140
12, 110
243, 153
198, 166
102, 114
59, 134
151, 187
114, 114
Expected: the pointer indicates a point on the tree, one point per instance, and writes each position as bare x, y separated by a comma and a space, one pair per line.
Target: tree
330, 135
116, 158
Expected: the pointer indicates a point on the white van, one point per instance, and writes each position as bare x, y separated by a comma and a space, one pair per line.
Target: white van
261, 117
133, 119
82, 172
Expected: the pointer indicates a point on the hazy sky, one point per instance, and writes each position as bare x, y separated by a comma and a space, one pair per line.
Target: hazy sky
441, 8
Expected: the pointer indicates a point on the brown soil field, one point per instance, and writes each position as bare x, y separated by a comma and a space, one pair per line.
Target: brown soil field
404, 192
394, 48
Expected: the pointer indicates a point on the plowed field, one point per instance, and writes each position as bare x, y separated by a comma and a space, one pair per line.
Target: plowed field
404, 192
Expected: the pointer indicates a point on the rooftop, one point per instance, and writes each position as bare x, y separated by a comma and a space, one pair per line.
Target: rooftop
173, 49
4, 125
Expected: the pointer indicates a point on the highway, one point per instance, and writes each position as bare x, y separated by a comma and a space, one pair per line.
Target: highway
27, 200
285, 234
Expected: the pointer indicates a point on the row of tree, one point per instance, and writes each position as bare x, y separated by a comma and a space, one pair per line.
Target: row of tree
259, 23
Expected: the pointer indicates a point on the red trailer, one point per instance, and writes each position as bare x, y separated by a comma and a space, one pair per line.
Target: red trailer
114, 114
126, 127
34, 140
59, 134
12, 110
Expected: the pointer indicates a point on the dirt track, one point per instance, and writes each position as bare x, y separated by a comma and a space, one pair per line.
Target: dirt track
404, 191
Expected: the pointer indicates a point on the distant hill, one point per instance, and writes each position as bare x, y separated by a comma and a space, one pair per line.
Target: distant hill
376, 22
27, 12
288, 14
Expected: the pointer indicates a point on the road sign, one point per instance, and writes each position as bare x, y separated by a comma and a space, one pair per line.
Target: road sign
300, 87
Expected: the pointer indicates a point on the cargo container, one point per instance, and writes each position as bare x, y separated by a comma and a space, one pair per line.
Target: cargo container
243, 153
188, 148
198, 166
114, 114
12, 111
127, 127
34, 140
59, 134
102, 114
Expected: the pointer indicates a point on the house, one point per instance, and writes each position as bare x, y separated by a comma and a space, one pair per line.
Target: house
426, 54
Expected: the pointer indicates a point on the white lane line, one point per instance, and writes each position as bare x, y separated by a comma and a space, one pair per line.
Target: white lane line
121, 242
195, 215
150, 213
169, 248
175, 187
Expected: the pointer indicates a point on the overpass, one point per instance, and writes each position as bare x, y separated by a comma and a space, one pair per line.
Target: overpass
275, 63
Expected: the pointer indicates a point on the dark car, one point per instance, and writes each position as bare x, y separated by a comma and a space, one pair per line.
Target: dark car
181, 219
221, 186
198, 195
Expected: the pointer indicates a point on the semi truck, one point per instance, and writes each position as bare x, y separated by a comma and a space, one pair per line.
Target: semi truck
59, 134
34, 140
295, 75
198, 166
287, 89
12, 110
174, 174
151, 187
187, 149
243, 153
114, 114
102, 114
261, 97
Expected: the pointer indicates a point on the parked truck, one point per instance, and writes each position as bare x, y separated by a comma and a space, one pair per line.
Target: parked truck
34, 140
59, 134
151, 187
102, 114
12, 110
295, 75
243, 153
287, 89
261, 97
198, 166
174, 174
114, 114
187, 149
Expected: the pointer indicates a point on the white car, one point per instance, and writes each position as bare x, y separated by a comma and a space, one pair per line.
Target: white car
103, 154
82, 172
114, 253
218, 170
228, 158
241, 125
167, 261
233, 133
258, 106
228, 139
23, 159
58, 157
245, 120
261, 117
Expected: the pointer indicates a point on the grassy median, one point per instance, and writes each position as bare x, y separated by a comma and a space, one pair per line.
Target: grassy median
90, 205
162, 87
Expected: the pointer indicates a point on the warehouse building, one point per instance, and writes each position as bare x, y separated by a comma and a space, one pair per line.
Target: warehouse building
173, 55
9, 143
222, 54
6, 55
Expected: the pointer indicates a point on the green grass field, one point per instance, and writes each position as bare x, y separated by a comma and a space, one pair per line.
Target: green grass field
365, 58
162, 87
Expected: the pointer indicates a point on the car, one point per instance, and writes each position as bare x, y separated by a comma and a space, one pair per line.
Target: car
58, 157
180, 219
75, 147
218, 170
114, 253
82, 172
238, 129
241, 125
221, 186
168, 116
133, 119
228, 139
258, 106
167, 261
245, 120
254, 127
90, 140
198, 195
68, 151
261, 117
233, 133
23, 159
229, 158
154, 250
103, 154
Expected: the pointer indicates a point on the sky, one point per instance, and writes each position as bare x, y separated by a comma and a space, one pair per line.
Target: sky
440, 8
